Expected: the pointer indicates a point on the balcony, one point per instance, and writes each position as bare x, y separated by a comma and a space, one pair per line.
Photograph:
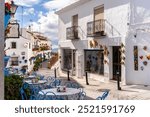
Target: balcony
72, 33
96, 28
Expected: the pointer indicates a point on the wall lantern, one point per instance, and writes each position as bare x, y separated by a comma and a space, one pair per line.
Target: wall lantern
13, 8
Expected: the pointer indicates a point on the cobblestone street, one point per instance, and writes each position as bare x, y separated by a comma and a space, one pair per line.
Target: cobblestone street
95, 88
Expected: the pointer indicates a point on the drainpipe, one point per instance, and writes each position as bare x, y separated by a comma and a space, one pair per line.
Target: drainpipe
2, 49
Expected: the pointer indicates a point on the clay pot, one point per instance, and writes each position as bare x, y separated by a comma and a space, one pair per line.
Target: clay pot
141, 57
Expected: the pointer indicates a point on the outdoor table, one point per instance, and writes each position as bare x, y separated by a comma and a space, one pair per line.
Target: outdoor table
69, 94
40, 82
30, 77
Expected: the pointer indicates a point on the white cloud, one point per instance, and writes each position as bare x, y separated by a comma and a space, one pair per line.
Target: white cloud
29, 11
27, 3
47, 24
57, 4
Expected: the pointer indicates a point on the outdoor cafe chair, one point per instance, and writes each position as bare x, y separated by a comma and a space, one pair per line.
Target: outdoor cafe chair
55, 83
38, 96
68, 84
50, 79
50, 96
23, 94
74, 85
82, 94
104, 95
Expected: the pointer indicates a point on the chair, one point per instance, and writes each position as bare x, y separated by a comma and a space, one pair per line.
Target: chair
56, 83
50, 79
68, 84
82, 94
74, 85
23, 94
104, 95
38, 96
34, 73
50, 96
40, 76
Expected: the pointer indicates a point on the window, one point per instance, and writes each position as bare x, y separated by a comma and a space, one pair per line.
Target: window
13, 45
94, 61
67, 59
14, 61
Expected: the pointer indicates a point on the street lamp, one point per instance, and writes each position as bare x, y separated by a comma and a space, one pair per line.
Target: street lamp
13, 8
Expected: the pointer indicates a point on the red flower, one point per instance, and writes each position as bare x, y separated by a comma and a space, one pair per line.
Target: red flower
7, 7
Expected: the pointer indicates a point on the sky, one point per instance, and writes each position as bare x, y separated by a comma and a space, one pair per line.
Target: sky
40, 14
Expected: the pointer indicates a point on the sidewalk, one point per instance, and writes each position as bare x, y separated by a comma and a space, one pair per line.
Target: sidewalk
95, 88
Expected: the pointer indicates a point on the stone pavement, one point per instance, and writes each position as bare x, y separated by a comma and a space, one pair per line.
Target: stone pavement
96, 88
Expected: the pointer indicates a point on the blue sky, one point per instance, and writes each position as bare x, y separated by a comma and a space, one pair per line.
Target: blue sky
40, 15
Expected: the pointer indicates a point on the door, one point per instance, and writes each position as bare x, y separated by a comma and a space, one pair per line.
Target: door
99, 13
75, 20
116, 62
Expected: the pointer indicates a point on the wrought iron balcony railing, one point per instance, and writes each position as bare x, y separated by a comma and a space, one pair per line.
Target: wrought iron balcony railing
72, 32
96, 28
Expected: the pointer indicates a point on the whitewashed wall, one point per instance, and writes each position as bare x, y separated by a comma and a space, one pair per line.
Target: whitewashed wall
139, 26
116, 13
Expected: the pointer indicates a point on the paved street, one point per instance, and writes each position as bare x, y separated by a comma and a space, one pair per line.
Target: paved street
130, 92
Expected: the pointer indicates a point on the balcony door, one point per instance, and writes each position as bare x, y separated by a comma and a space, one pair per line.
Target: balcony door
75, 26
98, 19
99, 13
75, 20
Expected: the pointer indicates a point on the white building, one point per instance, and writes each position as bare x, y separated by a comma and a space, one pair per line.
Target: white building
20, 51
42, 45
23, 46
98, 36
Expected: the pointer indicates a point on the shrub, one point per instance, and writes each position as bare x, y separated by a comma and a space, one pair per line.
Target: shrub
13, 84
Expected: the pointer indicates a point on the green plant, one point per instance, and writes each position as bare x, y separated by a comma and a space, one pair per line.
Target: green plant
37, 63
13, 84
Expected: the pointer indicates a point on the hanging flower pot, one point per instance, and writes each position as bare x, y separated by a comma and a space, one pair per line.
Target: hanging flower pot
142, 68
148, 57
145, 48
122, 62
145, 63
101, 47
122, 45
141, 57
105, 61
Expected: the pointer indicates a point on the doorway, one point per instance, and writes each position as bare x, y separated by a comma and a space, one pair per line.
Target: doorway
116, 63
